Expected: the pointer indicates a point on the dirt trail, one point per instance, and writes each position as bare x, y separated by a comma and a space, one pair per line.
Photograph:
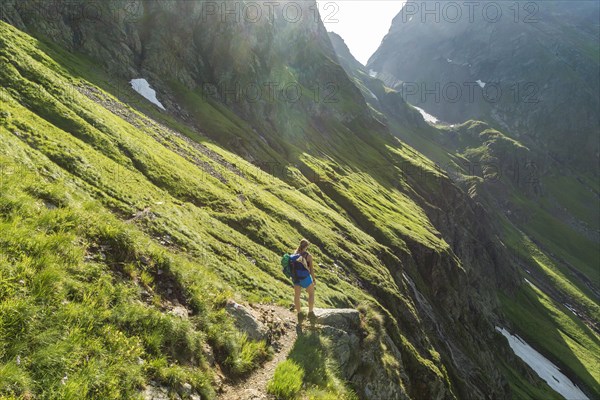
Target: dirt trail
254, 387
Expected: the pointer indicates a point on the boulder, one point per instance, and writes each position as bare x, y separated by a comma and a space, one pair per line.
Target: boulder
246, 322
345, 349
179, 311
346, 319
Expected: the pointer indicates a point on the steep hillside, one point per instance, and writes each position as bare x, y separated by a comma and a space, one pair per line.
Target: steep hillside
387, 105
552, 233
117, 212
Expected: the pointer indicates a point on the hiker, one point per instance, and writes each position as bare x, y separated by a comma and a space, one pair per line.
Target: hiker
304, 277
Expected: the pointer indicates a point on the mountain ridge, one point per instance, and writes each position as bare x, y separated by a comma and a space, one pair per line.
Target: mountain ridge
534, 62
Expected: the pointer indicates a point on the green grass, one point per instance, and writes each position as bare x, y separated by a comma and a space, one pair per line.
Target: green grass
555, 332
546, 244
557, 249
546, 325
309, 372
287, 380
64, 312
581, 252
523, 389
575, 197
559, 276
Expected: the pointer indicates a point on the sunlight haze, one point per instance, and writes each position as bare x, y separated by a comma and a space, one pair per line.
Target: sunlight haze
373, 17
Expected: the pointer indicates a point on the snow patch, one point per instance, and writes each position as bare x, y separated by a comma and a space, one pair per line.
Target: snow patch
143, 87
543, 367
572, 309
480, 82
372, 74
370, 93
449, 60
428, 117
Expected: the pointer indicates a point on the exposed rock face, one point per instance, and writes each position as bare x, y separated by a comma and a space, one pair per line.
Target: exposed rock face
246, 321
152, 392
346, 319
362, 361
179, 311
156, 392
342, 326
184, 42
389, 103
345, 347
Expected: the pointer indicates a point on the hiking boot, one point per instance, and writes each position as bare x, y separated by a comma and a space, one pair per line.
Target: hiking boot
300, 317
312, 318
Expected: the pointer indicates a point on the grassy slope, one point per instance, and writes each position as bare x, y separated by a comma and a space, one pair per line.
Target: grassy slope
465, 156
202, 216
556, 243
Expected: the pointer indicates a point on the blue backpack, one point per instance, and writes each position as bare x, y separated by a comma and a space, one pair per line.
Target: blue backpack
293, 268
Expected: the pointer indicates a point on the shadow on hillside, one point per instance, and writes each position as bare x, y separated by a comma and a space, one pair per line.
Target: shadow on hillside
310, 354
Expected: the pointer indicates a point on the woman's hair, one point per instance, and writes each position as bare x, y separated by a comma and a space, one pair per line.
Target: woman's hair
303, 246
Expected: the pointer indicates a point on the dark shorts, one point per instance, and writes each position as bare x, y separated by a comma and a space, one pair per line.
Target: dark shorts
304, 282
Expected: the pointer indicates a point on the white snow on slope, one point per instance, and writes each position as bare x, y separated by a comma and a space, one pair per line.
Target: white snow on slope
543, 367
370, 93
143, 87
528, 281
428, 117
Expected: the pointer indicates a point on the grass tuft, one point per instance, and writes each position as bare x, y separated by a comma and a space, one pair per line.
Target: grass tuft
287, 381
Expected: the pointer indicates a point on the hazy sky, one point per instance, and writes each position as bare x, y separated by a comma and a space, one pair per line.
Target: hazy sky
361, 23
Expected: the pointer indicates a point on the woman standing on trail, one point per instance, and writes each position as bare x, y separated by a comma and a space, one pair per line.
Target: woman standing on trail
304, 277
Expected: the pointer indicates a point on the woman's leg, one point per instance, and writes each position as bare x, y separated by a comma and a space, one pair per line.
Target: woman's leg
311, 297
297, 290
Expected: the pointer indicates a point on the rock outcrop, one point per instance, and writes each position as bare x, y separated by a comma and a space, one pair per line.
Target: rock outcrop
364, 357
246, 322
342, 327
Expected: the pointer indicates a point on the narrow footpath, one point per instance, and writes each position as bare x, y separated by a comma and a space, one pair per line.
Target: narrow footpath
254, 387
